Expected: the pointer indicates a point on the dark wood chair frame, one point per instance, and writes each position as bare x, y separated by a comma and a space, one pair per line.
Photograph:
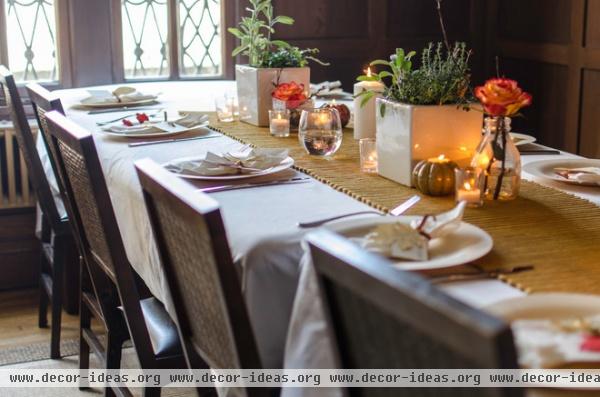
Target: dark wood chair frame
116, 286
58, 251
158, 185
410, 299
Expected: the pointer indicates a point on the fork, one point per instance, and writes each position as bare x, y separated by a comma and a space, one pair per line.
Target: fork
398, 210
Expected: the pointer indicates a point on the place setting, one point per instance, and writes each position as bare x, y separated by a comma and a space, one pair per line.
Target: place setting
121, 98
579, 172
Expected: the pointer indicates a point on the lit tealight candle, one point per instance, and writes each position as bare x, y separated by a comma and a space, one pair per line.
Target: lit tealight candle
468, 186
368, 155
439, 159
280, 123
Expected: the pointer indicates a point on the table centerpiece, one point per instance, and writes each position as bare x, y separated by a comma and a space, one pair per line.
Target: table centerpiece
271, 62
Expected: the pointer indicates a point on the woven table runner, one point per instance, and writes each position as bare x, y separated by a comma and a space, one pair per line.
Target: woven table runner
556, 232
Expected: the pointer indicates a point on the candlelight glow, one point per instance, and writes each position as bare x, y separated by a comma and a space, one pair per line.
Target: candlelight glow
441, 157
369, 71
278, 117
483, 161
467, 186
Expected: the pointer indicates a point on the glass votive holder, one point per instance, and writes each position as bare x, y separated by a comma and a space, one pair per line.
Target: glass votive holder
279, 123
226, 108
469, 185
368, 155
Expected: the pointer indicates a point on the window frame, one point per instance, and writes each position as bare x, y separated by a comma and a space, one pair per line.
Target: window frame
228, 15
63, 48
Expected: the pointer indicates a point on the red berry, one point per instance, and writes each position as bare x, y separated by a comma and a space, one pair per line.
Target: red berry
127, 123
142, 117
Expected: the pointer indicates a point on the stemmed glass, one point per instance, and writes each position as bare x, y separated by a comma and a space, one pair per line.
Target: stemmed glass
320, 131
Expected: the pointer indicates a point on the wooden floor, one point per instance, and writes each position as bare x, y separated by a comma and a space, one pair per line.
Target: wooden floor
19, 320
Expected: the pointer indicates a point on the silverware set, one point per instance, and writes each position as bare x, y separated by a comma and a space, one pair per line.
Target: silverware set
478, 273
398, 210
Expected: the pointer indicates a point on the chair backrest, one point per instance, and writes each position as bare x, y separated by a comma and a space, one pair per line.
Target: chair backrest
383, 317
211, 313
28, 148
43, 101
93, 213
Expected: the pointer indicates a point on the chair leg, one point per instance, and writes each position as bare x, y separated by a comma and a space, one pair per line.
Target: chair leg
114, 349
57, 298
43, 308
84, 349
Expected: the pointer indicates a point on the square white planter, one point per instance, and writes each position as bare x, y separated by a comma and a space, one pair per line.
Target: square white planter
255, 86
407, 134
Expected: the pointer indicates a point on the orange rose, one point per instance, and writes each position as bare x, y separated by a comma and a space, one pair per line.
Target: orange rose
502, 97
290, 92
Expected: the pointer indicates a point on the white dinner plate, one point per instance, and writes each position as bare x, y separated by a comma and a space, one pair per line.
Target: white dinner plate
118, 104
522, 139
546, 306
158, 134
466, 244
549, 306
284, 165
545, 169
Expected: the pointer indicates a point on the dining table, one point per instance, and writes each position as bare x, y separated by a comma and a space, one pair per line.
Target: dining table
277, 279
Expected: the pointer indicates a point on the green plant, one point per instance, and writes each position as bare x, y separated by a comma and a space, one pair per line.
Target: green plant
254, 32
443, 77
291, 57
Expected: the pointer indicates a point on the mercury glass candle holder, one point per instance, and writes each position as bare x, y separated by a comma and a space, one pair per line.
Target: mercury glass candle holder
368, 155
279, 122
469, 185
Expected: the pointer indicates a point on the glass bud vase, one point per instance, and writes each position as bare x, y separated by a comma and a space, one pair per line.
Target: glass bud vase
499, 159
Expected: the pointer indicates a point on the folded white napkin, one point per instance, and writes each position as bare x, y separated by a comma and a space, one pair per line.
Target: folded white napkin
395, 240
327, 88
436, 226
183, 124
580, 175
402, 241
120, 95
248, 161
546, 344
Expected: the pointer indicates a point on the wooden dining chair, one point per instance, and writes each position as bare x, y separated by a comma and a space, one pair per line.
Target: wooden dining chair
210, 310
383, 317
117, 302
42, 102
58, 252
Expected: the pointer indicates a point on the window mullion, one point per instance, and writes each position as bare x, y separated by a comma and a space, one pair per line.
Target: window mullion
3, 36
173, 40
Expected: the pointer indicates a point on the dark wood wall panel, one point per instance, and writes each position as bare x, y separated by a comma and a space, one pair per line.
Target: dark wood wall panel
592, 35
350, 33
590, 114
545, 119
542, 21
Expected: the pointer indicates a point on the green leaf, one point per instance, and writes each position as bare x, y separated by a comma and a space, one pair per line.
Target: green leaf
236, 32
280, 44
385, 73
380, 62
283, 20
382, 108
366, 97
238, 50
368, 78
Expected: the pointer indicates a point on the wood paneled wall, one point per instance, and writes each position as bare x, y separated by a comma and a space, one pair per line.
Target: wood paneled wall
350, 33
553, 48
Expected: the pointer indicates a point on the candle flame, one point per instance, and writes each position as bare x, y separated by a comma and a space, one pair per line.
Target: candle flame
278, 117
441, 157
333, 101
369, 71
467, 186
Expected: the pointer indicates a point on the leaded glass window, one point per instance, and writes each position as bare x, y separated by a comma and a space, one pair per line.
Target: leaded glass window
31, 39
146, 41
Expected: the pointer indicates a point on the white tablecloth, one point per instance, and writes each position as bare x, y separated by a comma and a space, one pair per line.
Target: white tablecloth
261, 229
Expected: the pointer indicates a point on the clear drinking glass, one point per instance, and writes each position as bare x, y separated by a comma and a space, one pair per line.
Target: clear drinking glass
320, 131
226, 108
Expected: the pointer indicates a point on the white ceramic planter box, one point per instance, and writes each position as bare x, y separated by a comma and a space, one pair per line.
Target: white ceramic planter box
255, 86
407, 134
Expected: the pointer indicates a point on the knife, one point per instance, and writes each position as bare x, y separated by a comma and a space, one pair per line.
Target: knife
225, 188
121, 109
137, 144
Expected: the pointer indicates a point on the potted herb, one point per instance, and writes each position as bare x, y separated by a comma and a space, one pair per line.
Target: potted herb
271, 62
423, 111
